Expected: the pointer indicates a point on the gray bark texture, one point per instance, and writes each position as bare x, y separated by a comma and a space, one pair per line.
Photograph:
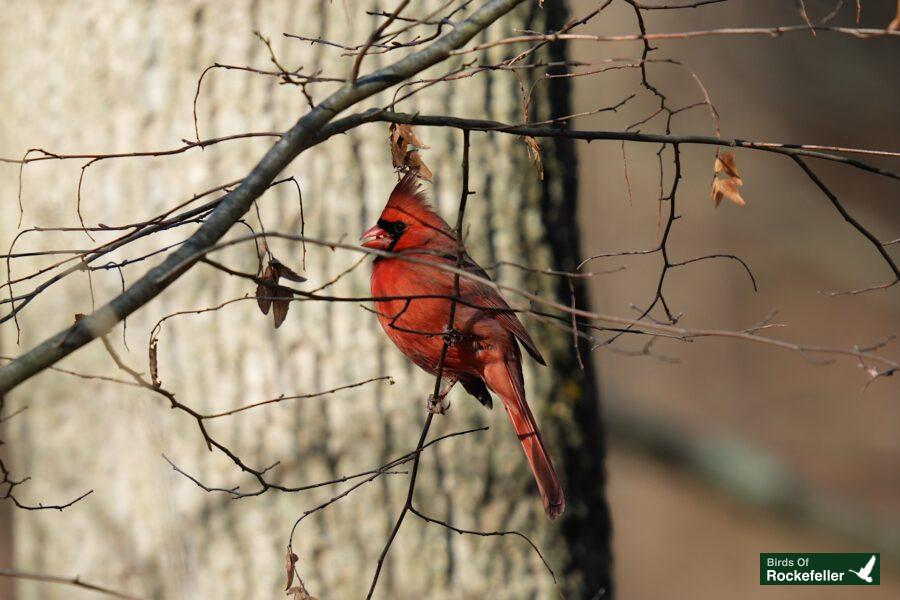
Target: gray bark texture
120, 76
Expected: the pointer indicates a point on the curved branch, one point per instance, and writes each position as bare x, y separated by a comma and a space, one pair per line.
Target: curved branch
853, 222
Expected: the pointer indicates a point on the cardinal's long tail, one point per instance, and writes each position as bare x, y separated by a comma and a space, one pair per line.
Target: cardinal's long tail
505, 379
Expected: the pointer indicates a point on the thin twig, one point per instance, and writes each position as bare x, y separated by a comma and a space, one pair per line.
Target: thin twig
71, 581
376, 35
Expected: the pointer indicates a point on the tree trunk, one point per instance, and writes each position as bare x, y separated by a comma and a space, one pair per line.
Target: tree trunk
98, 76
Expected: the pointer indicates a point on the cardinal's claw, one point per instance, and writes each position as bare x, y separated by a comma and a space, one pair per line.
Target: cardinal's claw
436, 406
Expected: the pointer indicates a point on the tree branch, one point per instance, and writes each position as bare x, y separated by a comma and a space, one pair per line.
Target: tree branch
72, 581
300, 137
375, 115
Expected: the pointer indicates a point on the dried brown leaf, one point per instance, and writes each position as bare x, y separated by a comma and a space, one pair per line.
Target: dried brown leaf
299, 593
265, 292
716, 194
282, 270
415, 164
726, 188
263, 300
534, 153
405, 148
725, 163
290, 559
726, 180
281, 305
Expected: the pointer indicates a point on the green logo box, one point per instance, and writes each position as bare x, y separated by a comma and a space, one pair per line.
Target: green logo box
819, 568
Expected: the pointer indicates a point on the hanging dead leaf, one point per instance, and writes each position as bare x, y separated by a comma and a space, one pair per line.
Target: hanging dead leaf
290, 559
725, 164
299, 593
726, 188
726, 180
418, 167
265, 292
281, 305
405, 148
534, 153
271, 295
282, 270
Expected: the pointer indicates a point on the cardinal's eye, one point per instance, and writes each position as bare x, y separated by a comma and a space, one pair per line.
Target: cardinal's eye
392, 228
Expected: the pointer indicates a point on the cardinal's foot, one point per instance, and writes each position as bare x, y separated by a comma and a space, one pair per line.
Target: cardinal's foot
436, 405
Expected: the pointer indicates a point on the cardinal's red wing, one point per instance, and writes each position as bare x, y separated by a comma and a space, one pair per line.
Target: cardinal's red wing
484, 295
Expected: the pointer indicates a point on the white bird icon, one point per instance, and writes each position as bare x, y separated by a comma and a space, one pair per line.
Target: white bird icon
866, 572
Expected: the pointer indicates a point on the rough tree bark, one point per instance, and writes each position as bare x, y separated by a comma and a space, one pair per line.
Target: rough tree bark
100, 76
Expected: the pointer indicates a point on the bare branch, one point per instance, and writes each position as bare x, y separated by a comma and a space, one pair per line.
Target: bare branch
853, 222
683, 35
71, 581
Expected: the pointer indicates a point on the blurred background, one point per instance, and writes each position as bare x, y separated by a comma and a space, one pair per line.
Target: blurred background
717, 450
738, 449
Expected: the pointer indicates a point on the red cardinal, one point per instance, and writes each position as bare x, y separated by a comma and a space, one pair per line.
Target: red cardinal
485, 352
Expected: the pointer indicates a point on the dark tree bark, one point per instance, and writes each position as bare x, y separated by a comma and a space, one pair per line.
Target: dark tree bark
587, 530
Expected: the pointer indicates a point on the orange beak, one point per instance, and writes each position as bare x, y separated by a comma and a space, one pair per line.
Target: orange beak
375, 237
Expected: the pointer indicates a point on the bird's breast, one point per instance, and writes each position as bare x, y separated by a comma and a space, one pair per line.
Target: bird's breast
413, 306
